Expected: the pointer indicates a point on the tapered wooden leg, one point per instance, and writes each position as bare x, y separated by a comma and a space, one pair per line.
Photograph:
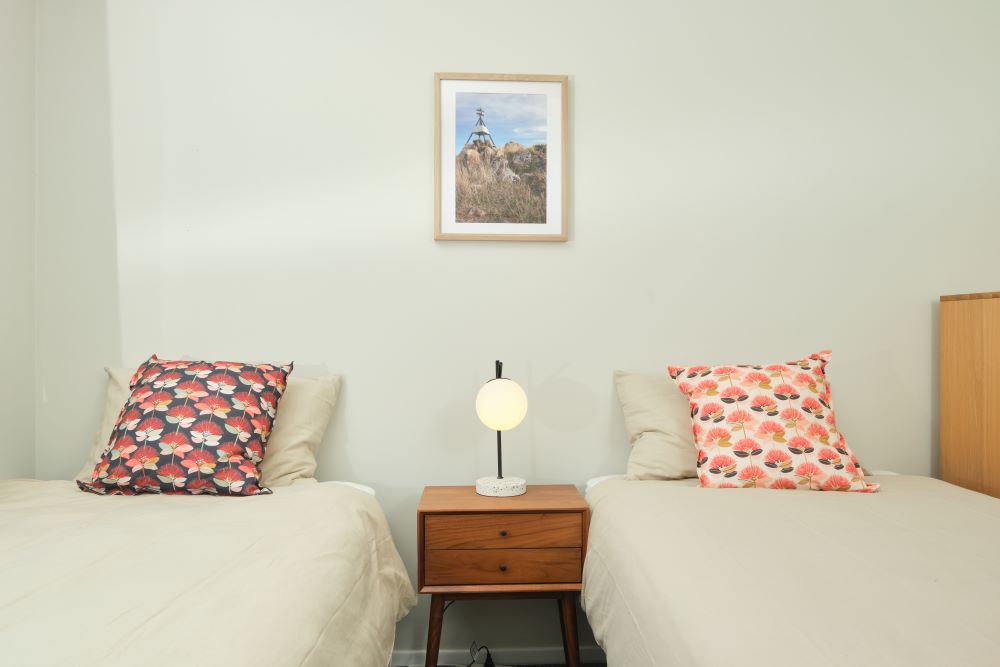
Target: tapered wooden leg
567, 619
562, 626
434, 630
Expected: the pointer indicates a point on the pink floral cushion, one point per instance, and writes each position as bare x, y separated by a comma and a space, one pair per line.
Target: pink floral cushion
768, 427
193, 427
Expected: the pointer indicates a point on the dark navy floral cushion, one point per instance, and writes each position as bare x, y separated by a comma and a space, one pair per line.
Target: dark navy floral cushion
195, 427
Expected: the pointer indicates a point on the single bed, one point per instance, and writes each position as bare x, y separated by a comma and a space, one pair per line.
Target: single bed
306, 576
680, 575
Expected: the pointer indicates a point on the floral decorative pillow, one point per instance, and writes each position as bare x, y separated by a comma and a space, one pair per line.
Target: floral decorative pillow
768, 427
193, 427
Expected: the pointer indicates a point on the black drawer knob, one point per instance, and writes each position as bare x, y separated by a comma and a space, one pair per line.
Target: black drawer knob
503, 533
503, 567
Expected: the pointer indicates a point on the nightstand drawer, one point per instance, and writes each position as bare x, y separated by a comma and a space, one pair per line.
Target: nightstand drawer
458, 567
503, 531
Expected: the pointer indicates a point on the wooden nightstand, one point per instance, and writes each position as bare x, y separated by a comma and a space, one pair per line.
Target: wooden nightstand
477, 547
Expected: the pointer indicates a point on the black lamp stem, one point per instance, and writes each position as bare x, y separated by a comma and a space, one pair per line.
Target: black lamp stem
499, 458
499, 365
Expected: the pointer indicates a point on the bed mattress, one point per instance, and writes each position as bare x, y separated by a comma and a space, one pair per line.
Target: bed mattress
306, 576
679, 575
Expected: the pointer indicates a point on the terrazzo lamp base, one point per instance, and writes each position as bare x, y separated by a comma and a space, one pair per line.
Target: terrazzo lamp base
501, 487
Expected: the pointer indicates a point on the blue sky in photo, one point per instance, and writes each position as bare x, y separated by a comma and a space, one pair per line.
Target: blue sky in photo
519, 117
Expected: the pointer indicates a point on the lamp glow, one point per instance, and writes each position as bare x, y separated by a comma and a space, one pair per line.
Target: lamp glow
501, 404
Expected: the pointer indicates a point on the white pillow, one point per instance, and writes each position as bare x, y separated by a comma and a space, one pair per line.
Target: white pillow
117, 393
658, 422
304, 412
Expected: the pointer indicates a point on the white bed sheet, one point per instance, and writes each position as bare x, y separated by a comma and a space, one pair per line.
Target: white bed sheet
679, 575
306, 576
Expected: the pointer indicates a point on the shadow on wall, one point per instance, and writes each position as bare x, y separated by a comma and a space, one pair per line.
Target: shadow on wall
77, 320
935, 386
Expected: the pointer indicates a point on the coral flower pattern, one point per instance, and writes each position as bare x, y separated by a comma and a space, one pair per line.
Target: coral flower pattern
768, 427
192, 427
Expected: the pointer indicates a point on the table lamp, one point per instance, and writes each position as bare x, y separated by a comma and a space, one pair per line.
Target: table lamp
501, 405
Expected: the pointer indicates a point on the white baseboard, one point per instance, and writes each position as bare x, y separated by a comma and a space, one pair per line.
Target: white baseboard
539, 655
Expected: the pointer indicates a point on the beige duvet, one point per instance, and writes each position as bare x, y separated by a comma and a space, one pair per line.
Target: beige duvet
307, 576
678, 575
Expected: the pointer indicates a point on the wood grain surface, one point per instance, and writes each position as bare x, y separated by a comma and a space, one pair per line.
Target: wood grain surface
970, 394
503, 530
502, 566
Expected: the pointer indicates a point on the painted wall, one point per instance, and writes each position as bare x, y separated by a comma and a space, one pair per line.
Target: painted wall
17, 237
749, 183
77, 290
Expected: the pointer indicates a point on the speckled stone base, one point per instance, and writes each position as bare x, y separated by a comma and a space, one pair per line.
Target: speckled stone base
500, 488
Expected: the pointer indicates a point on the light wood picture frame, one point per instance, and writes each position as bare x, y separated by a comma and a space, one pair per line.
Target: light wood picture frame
501, 157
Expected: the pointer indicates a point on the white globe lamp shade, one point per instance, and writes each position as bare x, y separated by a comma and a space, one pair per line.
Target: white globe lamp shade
501, 404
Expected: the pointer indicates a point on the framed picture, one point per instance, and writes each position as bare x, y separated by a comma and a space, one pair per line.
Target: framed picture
500, 153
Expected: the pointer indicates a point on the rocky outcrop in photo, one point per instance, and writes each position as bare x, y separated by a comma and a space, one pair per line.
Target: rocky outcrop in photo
505, 184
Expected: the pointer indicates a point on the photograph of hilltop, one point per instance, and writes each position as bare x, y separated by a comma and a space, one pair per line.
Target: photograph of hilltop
500, 168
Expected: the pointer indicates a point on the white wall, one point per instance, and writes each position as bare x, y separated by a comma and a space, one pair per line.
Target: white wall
17, 237
77, 290
750, 182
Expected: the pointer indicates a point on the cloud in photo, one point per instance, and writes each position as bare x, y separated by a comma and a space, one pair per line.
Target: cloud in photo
519, 117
